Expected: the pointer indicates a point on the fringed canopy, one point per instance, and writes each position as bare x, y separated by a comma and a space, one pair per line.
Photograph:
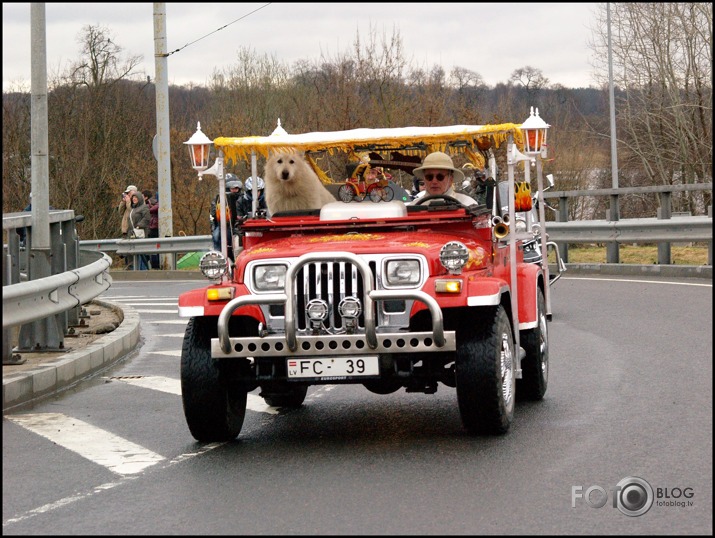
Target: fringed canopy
402, 141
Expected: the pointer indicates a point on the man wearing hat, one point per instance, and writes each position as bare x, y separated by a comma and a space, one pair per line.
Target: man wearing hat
438, 173
125, 206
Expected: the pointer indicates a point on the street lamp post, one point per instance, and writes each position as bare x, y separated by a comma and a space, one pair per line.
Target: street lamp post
199, 151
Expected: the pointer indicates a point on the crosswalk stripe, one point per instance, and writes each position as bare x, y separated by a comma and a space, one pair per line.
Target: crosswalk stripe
151, 304
168, 352
100, 446
173, 386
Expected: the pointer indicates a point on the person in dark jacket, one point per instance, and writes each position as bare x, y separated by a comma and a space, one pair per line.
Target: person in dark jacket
139, 218
153, 205
244, 206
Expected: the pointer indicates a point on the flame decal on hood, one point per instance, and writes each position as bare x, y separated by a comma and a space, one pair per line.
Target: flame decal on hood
344, 238
476, 258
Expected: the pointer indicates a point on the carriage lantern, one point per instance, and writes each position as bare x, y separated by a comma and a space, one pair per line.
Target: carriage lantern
535, 130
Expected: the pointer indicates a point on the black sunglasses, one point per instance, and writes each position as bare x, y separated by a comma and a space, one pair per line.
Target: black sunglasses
438, 177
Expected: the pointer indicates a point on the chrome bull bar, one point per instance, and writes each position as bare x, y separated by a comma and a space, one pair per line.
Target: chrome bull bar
437, 340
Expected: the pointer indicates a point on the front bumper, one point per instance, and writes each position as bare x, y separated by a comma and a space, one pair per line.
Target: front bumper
367, 340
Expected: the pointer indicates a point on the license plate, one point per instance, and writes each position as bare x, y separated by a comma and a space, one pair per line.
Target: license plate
333, 368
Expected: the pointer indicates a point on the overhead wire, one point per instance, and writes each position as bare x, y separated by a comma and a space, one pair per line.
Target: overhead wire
218, 29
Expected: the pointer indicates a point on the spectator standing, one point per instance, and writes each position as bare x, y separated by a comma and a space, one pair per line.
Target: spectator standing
125, 207
153, 205
21, 231
138, 221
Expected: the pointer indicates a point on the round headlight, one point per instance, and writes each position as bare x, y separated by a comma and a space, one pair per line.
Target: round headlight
213, 265
317, 310
350, 307
453, 256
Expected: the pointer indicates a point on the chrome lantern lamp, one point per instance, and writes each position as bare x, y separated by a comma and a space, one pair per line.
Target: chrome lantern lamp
535, 130
199, 151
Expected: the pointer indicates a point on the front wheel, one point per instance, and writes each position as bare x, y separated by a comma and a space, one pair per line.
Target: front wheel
346, 193
535, 365
485, 375
380, 194
213, 406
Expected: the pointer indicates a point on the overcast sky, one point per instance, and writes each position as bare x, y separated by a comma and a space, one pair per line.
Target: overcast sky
488, 38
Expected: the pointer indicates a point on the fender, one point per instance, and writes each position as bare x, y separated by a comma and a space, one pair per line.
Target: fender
194, 303
528, 275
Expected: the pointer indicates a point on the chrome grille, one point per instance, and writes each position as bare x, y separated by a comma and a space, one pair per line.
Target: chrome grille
331, 282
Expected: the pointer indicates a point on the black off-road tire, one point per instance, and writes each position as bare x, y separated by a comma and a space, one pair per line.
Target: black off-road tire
535, 365
288, 396
214, 408
485, 374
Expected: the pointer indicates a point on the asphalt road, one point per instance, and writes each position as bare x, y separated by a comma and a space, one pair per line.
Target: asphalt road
629, 402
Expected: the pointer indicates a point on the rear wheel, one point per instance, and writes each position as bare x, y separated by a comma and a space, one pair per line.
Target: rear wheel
485, 371
380, 194
214, 407
284, 395
535, 366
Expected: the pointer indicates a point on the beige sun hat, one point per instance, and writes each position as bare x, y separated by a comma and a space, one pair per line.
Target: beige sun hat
438, 161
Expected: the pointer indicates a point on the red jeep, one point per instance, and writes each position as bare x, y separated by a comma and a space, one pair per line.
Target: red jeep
384, 294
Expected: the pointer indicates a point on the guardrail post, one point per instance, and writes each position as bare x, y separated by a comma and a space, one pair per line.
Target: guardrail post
8, 357
612, 253
710, 244
665, 211
563, 216
44, 334
71, 241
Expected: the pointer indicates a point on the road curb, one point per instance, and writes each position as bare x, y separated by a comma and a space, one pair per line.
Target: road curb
623, 269
65, 371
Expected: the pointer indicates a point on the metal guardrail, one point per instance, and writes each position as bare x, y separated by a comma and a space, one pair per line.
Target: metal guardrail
71, 285
36, 299
632, 230
149, 246
665, 194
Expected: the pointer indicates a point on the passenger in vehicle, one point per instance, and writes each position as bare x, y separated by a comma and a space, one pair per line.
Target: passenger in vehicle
438, 173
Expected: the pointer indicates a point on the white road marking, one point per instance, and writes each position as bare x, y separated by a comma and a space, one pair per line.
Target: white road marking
173, 386
101, 488
170, 311
151, 304
639, 281
100, 446
169, 352
168, 322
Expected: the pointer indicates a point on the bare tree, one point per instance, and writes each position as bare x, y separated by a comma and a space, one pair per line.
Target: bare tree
662, 62
530, 78
101, 61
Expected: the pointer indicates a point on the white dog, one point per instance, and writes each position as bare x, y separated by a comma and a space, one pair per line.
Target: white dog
292, 185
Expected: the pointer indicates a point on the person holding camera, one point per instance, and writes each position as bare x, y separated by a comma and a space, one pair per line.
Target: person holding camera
125, 207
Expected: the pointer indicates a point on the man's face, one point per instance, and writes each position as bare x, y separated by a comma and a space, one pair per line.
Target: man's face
437, 181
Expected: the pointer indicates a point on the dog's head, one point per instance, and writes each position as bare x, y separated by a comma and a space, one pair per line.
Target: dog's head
286, 166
